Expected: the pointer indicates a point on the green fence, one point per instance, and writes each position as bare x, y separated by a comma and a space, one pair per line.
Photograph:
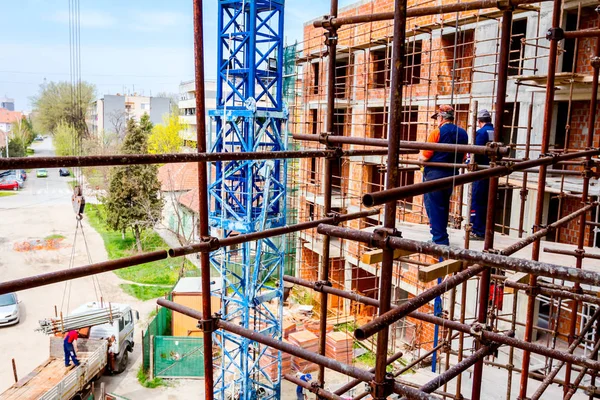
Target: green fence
159, 326
178, 357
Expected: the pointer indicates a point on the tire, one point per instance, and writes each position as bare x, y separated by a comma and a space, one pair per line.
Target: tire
123, 361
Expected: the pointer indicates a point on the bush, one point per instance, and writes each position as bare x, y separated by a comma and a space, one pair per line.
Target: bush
142, 378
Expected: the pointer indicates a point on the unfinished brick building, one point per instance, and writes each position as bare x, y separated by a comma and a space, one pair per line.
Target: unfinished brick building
449, 59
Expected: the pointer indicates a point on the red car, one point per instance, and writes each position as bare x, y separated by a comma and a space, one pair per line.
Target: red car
8, 184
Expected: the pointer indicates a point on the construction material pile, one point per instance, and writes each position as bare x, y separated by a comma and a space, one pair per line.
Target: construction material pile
308, 341
96, 316
338, 346
268, 364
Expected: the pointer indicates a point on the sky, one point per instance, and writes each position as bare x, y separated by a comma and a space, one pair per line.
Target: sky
126, 46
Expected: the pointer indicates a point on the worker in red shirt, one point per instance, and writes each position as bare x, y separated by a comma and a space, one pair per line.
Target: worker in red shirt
437, 203
69, 347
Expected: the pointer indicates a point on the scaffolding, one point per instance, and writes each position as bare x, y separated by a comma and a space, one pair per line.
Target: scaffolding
359, 105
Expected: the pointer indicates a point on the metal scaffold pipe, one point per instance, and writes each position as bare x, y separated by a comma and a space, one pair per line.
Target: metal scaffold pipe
211, 244
390, 195
483, 334
297, 351
491, 260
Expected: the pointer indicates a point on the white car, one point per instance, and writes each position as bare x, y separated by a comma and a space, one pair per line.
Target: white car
9, 309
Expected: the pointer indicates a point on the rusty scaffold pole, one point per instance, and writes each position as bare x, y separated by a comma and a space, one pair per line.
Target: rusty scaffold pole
331, 43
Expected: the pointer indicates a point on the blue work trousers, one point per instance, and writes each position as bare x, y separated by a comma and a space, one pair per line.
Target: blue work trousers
479, 202
437, 205
70, 354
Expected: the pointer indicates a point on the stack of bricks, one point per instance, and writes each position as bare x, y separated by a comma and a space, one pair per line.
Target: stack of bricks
308, 341
339, 347
268, 363
288, 327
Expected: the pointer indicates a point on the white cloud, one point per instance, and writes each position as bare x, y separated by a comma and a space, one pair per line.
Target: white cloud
156, 21
87, 18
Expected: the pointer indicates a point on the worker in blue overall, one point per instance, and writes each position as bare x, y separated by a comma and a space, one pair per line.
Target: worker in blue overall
69, 348
437, 204
479, 199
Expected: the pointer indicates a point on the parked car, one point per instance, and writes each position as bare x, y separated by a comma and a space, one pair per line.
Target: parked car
9, 309
9, 183
64, 172
41, 173
14, 177
39, 139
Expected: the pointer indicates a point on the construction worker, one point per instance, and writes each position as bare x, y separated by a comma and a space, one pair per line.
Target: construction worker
300, 389
69, 344
437, 204
479, 199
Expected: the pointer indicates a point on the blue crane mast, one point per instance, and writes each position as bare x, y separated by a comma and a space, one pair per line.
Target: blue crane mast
249, 196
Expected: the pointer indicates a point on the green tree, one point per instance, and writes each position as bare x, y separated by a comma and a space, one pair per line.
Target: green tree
165, 137
16, 148
64, 139
63, 102
133, 200
23, 130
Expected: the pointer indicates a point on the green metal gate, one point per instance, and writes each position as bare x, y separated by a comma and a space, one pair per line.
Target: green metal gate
178, 357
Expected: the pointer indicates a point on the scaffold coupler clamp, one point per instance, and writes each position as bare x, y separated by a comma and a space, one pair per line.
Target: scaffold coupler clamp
383, 390
382, 234
595, 62
555, 34
213, 242
319, 285
208, 325
336, 218
477, 329
504, 5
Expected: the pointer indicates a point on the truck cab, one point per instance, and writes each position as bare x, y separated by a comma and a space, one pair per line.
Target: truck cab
122, 329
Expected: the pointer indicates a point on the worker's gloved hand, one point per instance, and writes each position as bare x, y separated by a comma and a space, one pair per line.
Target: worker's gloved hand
422, 169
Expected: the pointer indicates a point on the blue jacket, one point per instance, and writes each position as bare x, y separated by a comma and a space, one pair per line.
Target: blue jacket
484, 135
450, 134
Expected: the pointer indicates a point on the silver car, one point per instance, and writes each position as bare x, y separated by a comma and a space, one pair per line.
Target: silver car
9, 309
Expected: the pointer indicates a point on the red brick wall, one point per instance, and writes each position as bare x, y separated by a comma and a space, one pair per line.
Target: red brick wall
569, 233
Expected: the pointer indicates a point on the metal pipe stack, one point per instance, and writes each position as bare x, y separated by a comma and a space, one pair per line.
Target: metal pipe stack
99, 316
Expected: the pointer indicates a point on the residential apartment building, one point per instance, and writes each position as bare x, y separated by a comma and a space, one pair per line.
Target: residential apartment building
9, 118
187, 109
450, 59
111, 112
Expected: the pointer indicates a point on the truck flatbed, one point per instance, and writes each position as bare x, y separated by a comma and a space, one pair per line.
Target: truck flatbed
51, 380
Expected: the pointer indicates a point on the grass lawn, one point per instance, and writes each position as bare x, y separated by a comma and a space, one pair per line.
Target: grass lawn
7, 194
145, 292
54, 236
162, 272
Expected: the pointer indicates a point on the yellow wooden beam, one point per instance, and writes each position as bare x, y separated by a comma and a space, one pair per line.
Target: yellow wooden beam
376, 256
439, 270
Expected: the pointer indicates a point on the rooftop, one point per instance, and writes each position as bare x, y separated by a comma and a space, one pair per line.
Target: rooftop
178, 177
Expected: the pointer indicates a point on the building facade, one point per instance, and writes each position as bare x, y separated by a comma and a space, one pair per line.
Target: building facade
187, 110
7, 103
9, 118
111, 112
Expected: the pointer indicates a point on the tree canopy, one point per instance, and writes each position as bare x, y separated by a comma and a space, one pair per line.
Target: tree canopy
165, 137
133, 200
63, 102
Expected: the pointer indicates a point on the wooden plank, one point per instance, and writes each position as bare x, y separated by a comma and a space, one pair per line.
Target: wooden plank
439, 270
376, 256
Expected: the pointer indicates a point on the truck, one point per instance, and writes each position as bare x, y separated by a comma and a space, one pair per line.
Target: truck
101, 349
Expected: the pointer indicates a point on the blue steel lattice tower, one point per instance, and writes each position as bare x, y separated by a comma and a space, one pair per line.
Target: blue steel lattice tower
249, 196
